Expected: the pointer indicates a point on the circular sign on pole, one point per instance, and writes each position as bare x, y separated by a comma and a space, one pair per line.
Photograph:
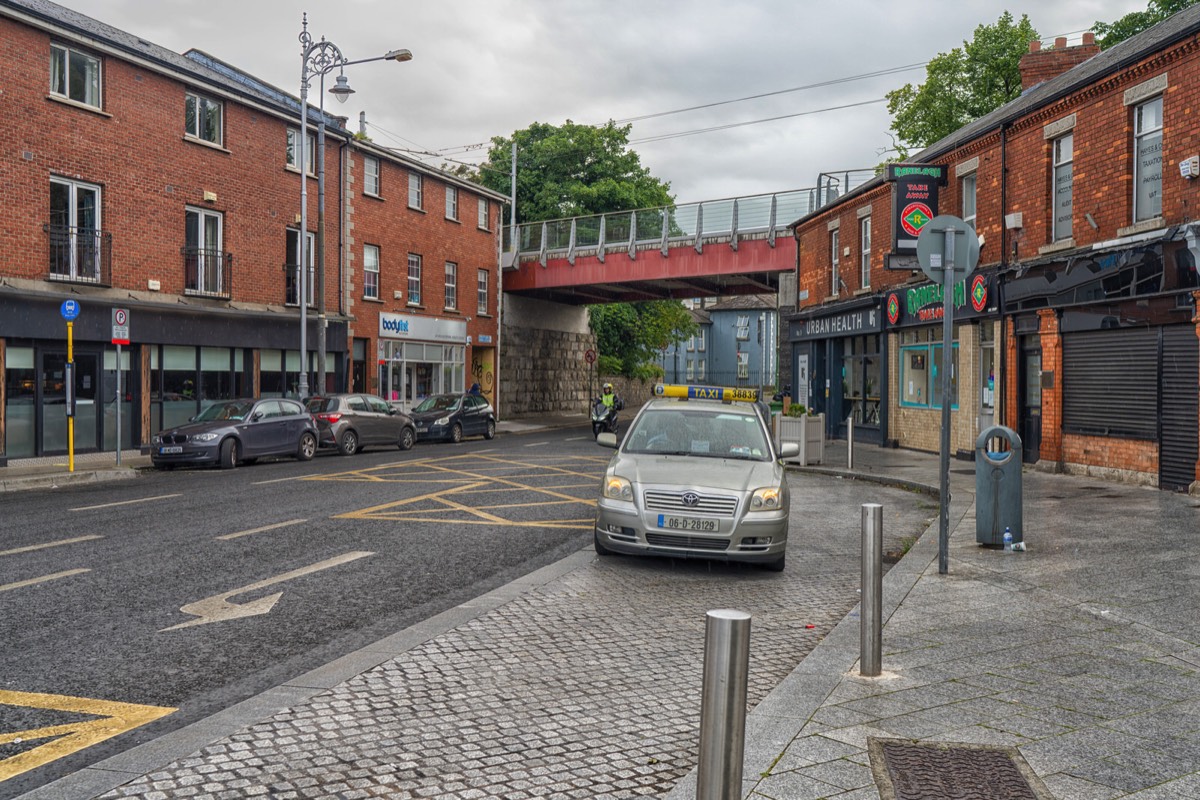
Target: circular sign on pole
120, 317
931, 247
590, 356
69, 309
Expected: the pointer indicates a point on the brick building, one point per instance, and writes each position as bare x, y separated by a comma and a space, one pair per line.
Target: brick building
167, 185
1079, 329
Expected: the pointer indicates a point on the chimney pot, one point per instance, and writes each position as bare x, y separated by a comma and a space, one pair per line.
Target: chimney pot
1089, 38
1060, 43
1035, 46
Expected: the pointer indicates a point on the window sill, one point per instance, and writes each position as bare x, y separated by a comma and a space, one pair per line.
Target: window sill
291, 168
205, 143
455, 220
483, 315
862, 291
1142, 227
483, 228
373, 196
81, 106
415, 306
418, 209
1054, 247
372, 300
453, 311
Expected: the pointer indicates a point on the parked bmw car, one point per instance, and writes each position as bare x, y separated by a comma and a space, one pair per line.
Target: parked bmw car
352, 422
450, 417
232, 432
697, 476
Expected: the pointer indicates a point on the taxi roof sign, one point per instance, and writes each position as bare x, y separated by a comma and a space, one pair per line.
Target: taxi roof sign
725, 394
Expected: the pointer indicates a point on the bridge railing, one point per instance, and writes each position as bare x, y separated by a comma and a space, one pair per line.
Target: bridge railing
666, 226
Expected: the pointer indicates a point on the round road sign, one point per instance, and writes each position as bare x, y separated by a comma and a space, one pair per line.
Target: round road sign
590, 356
69, 309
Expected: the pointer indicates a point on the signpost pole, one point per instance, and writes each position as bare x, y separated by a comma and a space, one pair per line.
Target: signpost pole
947, 368
118, 405
69, 391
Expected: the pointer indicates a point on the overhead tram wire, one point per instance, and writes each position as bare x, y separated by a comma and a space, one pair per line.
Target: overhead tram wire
695, 131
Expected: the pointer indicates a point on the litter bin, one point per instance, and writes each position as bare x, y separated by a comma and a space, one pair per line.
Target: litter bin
998, 503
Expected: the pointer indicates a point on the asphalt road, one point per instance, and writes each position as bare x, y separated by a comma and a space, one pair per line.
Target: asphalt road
188, 591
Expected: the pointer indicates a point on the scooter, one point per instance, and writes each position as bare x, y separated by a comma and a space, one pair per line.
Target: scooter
604, 418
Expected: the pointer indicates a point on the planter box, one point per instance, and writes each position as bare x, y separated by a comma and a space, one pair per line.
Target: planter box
808, 432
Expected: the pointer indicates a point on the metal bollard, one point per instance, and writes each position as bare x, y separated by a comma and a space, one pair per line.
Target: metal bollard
723, 705
850, 442
871, 609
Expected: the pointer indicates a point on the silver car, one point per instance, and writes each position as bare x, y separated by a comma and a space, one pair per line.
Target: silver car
696, 478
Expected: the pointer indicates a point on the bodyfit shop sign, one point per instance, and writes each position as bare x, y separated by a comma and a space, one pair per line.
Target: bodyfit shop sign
914, 203
422, 329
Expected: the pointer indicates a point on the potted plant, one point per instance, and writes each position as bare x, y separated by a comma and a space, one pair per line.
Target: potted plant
805, 427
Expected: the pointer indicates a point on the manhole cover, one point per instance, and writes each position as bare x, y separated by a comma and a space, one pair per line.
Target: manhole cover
908, 770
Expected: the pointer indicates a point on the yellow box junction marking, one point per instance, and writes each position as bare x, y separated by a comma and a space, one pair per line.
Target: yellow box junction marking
113, 720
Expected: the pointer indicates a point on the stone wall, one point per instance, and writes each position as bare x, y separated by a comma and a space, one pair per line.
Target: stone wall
542, 364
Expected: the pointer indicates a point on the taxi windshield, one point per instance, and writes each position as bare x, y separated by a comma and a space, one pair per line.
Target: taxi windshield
698, 432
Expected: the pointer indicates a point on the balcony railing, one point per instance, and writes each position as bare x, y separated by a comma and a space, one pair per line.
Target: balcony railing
80, 255
208, 273
291, 277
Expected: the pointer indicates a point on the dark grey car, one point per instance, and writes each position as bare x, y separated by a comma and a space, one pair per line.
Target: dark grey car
450, 417
351, 422
230, 432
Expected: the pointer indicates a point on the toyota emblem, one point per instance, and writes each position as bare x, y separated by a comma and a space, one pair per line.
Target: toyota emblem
691, 499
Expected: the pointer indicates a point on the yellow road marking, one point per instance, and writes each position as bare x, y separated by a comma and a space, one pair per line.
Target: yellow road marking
126, 502
58, 543
252, 531
45, 578
114, 719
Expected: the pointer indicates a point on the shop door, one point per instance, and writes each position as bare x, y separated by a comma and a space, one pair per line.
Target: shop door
54, 430
1180, 408
1030, 391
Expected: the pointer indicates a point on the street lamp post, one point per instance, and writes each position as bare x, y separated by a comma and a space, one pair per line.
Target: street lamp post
318, 59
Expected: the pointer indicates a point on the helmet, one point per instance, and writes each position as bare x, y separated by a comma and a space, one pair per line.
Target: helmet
608, 387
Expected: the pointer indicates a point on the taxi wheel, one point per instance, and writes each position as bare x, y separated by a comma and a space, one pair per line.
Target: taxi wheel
601, 550
228, 457
407, 438
307, 448
456, 433
490, 433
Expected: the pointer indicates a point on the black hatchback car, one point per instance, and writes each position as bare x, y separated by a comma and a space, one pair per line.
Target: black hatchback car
351, 422
450, 417
232, 432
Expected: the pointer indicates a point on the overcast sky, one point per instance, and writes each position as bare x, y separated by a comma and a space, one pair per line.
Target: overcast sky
485, 68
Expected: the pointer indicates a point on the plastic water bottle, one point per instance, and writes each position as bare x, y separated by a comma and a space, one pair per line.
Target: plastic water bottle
1008, 540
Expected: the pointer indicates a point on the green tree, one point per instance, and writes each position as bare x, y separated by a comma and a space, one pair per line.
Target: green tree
630, 336
961, 85
1109, 33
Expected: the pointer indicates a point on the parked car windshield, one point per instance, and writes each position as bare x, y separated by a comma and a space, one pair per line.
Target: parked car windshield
704, 433
439, 402
225, 411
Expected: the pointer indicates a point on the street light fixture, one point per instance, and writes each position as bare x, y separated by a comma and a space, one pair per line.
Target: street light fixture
318, 59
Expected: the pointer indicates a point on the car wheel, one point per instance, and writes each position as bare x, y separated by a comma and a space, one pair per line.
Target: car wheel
776, 565
490, 433
601, 550
228, 457
407, 438
307, 448
348, 445
456, 433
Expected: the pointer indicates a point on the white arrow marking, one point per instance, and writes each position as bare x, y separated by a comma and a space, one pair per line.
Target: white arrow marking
218, 608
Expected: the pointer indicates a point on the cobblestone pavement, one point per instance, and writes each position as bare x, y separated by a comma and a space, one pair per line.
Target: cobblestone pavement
587, 687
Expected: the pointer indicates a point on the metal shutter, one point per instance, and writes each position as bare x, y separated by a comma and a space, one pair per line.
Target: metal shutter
1180, 407
1110, 383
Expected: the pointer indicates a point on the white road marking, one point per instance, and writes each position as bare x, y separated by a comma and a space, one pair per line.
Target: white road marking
575, 438
280, 480
537, 444
126, 502
228, 536
28, 548
43, 579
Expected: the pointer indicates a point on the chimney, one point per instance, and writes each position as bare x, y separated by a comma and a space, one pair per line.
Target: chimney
1040, 65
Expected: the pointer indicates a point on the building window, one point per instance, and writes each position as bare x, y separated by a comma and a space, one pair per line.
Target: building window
370, 272
371, 175
700, 369
75, 238
1063, 190
481, 292
1147, 163
968, 199
834, 247
292, 272
310, 151
451, 203
921, 372
414, 279
451, 286
743, 365
691, 344
74, 75
204, 260
691, 369
743, 328
416, 191
202, 118
864, 244
483, 213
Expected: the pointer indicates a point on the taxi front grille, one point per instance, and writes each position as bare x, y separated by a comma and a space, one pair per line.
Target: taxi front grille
704, 503
686, 542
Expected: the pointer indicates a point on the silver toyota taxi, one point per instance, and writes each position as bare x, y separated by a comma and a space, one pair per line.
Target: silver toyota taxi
697, 476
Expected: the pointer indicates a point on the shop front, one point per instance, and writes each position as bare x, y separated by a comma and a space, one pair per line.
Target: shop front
420, 356
839, 367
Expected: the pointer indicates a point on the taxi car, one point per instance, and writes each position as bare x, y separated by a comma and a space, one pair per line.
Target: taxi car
697, 476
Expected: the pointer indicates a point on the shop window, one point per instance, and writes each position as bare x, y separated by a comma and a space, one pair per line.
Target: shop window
176, 385
1147, 162
987, 366
270, 374
861, 379
20, 390
202, 118
220, 374
112, 402
921, 376
74, 75
1063, 186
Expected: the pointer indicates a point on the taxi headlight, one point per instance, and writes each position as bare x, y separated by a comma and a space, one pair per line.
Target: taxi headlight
204, 437
768, 499
616, 488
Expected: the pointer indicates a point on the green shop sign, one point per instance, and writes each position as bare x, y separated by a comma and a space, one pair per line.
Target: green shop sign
922, 305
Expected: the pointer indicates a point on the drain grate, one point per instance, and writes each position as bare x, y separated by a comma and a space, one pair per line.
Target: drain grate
908, 770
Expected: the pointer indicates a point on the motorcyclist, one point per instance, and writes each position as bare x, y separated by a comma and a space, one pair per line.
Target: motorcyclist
610, 399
